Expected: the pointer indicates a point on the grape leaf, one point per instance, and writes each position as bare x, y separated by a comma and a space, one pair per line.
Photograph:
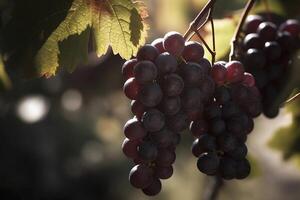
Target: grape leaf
115, 23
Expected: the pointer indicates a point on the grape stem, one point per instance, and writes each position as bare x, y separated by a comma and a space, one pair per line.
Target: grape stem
266, 3
235, 39
205, 14
213, 190
293, 98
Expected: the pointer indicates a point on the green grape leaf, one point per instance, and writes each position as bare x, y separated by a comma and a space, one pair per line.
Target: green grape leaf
115, 23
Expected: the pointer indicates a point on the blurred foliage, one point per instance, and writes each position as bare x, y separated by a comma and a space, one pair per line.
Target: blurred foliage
5, 82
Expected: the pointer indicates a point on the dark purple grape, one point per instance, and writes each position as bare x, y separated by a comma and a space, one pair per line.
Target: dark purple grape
153, 120
218, 73
199, 128
227, 142
205, 143
243, 169
177, 122
228, 168
248, 80
166, 63
163, 172
286, 41
207, 87
255, 58
192, 74
261, 78
208, 163
222, 95
147, 151
253, 40
154, 188
129, 148
191, 99
137, 108
217, 126
253, 108
205, 65
267, 31
240, 152
172, 85
151, 95
163, 138
230, 109
275, 71
193, 51
213, 111
272, 50
158, 43
291, 26
171, 105
131, 88
235, 71
127, 68
134, 129
147, 52
145, 71
141, 176
252, 22
174, 43
165, 157
235, 126
176, 139
194, 115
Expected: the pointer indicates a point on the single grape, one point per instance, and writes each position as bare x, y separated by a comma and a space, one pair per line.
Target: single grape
205, 65
163, 138
145, 71
227, 142
172, 85
171, 105
138, 109
239, 153
252, 22
217, 126
228, 168
154, 188
272, 50
267, 31
191, 99
127, 68
243, 169
177, 122
174, 43
165, 157
129, 148
218, 73
153, 120
222, 95
253, 40
163, 172
134, 129
205, 143
291, 26
141, 176
235, 71
261, 78
286, 41
230, 109
199, 127
151, 95
166, 63
248, 80
255, 58
193, 51
147, 151
235, 126
207, 87
194, 115
158, 43
192, 74
213, 111
208, 163
147, 52
131, 88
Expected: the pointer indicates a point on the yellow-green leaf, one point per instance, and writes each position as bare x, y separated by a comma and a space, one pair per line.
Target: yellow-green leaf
115, 23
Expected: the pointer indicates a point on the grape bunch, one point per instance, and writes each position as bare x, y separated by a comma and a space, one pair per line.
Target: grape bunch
221, 131
169, 83
266, 51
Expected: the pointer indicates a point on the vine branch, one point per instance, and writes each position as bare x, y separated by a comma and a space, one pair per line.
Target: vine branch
236, 36
293, 98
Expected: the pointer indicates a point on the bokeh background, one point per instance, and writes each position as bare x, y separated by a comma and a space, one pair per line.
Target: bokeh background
60, 138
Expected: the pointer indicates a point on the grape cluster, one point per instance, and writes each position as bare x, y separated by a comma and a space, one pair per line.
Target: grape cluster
169, 83
266, 51
221, 131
